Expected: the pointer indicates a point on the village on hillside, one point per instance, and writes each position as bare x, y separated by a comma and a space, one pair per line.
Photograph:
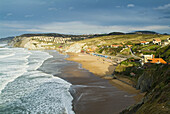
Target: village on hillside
144, 51
128, 55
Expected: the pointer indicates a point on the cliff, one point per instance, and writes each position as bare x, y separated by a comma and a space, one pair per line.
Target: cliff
34, 42
155, 81
75, 48
46, 41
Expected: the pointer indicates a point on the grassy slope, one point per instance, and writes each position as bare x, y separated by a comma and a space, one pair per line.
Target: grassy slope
117, 39
157, 100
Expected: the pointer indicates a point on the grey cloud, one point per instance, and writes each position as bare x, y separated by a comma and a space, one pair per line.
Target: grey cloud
166, 6
130, 5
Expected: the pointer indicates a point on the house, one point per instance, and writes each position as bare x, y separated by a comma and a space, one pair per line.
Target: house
157, 41
144, 42
116, 46
167, 42
129, 46
152, 59
157, 61
146, 57
89, 50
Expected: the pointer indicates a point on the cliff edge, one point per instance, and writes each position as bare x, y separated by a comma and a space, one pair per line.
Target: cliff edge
155, 81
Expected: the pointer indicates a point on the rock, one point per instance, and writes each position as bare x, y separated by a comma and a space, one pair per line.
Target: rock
144, 82
75, 48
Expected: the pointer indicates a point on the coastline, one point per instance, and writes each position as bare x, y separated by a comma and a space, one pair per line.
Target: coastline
103, 69
91, 94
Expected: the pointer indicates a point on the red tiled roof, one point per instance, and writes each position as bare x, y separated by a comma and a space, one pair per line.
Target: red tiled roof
117, 45
157, 60
143, 41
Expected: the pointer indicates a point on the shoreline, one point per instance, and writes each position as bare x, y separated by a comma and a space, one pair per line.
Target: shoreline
91, 94
104, 69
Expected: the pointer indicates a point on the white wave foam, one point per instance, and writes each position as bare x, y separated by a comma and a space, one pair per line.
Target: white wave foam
4, 56
37, 59
2, 45
24, 86
11, 69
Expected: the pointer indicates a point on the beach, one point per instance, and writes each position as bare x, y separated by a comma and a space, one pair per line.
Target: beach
91, 93
96, 65
104, 69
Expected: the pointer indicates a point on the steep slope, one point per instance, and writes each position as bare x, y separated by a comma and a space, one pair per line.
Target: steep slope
155, 80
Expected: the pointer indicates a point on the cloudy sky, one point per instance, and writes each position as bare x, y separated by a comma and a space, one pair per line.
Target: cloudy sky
83, 16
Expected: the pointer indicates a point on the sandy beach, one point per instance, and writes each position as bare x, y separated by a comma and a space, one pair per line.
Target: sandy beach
102, 68
91, 94
96, 65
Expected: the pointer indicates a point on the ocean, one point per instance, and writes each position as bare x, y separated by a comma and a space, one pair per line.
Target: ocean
24, 89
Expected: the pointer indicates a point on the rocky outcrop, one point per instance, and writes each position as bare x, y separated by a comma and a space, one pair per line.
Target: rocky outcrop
155, 81
75, 48
29, 43
144, 82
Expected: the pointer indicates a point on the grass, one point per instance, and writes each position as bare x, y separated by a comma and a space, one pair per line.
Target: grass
125, 52
118, 39
151, 47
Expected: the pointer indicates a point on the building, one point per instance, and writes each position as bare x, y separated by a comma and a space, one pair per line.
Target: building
116, 46
157, 41
52, 39
167, 42
144, 42
89, 50
157, 61
129, 46
146, 57
152, 59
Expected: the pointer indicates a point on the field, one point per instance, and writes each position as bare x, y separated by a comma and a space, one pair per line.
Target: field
127, 39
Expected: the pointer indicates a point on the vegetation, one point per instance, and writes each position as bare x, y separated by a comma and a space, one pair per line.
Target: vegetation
127, 38
145, 49
109, 50
164, 53
129, 66
157, 100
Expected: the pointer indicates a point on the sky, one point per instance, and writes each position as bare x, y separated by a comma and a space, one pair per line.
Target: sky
83, 16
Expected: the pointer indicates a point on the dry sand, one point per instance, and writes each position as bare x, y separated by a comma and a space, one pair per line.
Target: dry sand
96, 65
101, 68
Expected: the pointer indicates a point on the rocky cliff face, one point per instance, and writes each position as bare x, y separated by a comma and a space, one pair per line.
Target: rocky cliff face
31, 43
75, 48
155, 81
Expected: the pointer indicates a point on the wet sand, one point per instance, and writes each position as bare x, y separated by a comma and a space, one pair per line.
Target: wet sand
105, 69
92, 94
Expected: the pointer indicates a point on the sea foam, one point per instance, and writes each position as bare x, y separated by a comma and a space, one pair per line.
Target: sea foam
25, 89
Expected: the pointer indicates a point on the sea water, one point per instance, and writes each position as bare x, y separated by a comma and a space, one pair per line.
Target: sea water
26, 90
